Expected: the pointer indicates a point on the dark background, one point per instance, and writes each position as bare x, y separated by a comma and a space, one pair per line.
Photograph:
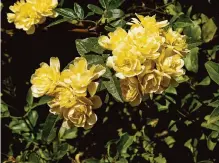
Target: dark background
28, 51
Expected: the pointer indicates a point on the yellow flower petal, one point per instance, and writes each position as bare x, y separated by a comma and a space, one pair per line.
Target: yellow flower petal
97, 102
92, 88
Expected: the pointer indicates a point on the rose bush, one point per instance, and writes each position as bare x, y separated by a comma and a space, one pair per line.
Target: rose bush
141, 83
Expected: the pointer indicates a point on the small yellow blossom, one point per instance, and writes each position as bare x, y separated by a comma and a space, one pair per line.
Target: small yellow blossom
80, 78
113, 40
45, 78
176, 41
149, 23
170, 63
154, 82
81, 114
130, 90
125, 62
44, 7
24, 16
63, 98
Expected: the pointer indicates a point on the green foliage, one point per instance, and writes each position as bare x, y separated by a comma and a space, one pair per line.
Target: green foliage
162, 123
212, 120
95, 9
213, 70
208, 30
88, 45
49, 132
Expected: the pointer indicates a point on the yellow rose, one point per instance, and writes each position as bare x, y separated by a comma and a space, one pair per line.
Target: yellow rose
80, 78
125, 61
44, 7
113, 40
130, 90
154, 82
170, 63
176, 41
63, 98
24, 16
146, 43
81, 114
149, 23
45, 78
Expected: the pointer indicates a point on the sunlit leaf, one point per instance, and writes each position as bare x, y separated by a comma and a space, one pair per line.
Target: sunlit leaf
191, 60
95, 9
212, 121
48, 127
79, 11
213, 70
206, 81
125, 141
208, 30
66, 13
87, 45
212, 140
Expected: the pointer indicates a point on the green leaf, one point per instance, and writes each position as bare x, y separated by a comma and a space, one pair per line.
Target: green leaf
79, 11
214, 103
161, 107
122, 160
52, 135
88, 45
104, 3
212, 52
171, 90
4, 110
212, 121
213, 71
195, 105
174, 9
18, 126
66, 13
212, 140
95, 9
44, 154
182, 21
114, 13
33, 158
124, 143
191, 60
160, 159
205, 81
189, 11
170, 141
181, 79
208, 30
110, 29
33, 116
29, 98
43, 100
57, 22
48, 126
70, 133
118, 23
113, 4
113, 85
91, 160
62, 150
94, 59
191, 144
193, 32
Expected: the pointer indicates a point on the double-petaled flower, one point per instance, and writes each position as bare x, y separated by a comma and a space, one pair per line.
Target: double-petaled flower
26, 14
69, 90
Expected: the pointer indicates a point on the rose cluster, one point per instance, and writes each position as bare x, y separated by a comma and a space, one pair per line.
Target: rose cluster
26, 14
73, 90
147, 58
